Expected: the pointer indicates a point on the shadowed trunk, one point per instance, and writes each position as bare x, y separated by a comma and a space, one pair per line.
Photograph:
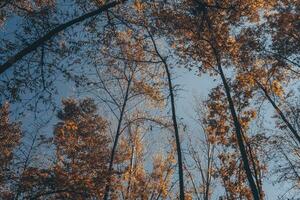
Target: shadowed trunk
238, 131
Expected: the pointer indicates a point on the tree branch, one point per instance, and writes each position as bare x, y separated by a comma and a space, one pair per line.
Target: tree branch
33, 46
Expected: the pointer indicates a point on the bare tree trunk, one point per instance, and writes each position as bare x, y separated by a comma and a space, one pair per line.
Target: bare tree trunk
114, 149
210, 152
256, 170
33, 46
178, 146
130, 164
238, 131
180, 168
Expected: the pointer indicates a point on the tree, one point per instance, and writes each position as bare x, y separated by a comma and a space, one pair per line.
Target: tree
43, 33
124, 55
81, 149
39, 42
174, 117
138, 182
82, 155
10, 136
208, 40
284, 150
203, 155
220, 133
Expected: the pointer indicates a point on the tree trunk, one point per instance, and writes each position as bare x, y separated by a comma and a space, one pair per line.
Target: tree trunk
178, 146
237, 125
114, 149
238, 131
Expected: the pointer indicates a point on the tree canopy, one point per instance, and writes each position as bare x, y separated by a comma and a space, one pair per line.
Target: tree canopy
93, 106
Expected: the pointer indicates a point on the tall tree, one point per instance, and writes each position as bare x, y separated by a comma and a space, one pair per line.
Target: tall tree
208, 39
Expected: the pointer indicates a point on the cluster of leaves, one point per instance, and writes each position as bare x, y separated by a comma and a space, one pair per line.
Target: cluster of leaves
80, 167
